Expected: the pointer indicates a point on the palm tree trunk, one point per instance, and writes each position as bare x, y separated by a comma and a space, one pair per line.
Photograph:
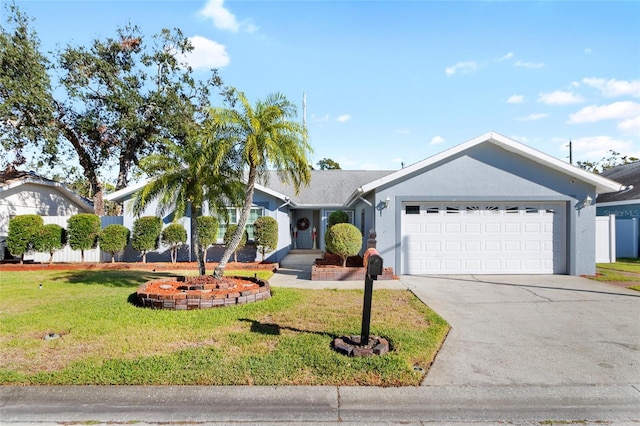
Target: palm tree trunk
242, 223
195, 213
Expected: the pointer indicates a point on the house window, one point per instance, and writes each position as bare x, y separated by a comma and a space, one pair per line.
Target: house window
433, 210
412, 210
452, 210
234, 215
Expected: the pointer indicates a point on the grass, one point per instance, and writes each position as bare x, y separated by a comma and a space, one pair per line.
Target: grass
285, 340
623, 270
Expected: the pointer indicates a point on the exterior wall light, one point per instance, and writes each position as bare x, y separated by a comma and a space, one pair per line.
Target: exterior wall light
387, 201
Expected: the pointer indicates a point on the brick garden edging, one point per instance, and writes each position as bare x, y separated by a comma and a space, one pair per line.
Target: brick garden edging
198, 299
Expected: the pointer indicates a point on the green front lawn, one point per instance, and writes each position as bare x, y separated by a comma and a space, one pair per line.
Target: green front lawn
623, 270
285, 340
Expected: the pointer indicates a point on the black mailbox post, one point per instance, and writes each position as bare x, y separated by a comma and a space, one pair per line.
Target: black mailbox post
373, 268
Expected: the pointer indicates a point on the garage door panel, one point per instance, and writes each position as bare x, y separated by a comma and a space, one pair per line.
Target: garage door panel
490, 238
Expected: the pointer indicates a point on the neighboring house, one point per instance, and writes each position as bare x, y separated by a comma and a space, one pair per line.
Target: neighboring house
625, 205
488, 206
27, 193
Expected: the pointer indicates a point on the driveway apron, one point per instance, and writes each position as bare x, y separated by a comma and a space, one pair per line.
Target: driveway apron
533, 330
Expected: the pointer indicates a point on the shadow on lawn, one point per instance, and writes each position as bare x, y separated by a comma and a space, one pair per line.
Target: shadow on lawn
121, 279
274, 329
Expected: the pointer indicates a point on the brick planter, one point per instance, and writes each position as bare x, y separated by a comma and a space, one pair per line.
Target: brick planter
339, 273
184, 293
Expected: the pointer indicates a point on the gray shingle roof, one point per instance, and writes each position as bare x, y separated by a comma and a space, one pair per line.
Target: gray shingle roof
626, 174
327, 187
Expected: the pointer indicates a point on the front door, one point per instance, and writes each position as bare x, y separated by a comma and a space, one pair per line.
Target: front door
304, 225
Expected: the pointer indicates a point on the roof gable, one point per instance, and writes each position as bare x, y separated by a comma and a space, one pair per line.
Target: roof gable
602, 184
11, 179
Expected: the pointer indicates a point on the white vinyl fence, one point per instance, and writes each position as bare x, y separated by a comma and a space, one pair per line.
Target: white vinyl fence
69, 255
606, 239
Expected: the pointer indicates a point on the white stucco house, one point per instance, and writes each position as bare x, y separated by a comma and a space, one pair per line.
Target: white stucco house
27, 193
490, 205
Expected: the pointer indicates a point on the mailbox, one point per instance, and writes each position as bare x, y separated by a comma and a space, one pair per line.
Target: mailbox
372, 262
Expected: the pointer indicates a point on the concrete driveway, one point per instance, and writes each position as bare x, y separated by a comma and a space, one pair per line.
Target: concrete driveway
533, 330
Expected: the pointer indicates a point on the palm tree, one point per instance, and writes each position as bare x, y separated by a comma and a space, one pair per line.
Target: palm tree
191, 174
263, 136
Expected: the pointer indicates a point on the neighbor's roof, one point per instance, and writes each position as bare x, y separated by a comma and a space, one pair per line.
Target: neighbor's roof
602, 184
628, 175
11, 178
327, 187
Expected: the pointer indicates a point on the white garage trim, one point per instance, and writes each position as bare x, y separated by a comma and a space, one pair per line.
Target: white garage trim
483, 238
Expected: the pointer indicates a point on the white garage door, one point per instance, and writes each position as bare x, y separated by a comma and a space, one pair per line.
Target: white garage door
483, 238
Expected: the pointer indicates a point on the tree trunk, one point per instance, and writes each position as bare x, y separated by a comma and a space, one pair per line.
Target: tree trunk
242, 223
50, 258
144, 257
202, 268
113, 257
82, 256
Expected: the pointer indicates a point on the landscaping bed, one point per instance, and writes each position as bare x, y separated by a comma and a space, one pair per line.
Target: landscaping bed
329, 268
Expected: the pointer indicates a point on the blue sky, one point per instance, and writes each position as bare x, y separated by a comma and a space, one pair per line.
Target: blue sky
391, 82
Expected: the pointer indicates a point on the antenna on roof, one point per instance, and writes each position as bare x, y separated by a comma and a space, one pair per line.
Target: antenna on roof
570, 152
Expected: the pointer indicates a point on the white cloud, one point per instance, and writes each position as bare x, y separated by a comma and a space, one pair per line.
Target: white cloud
529, 64
505, 57
615, 111
596, 147
343, 118
206, 54
515, 99
436, 140
370, 166
320, 119
630, 126
612, 88
560, 98
535, 116
222, 18
464, 67
588, 51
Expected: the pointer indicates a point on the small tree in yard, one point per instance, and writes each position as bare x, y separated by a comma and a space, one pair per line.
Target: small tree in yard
23, 231
114, 239
338, 217
207, 232
82, 232
50, 237
344, 240
228, 235
146, 235
266, 234
174, 236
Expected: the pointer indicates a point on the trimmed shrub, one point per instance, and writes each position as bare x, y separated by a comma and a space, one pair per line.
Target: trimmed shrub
266, 234
51, 237
114, 239
146, 235
231, 229
337, 217
23, 230
174, 236
344, 240
207, 231
82, 232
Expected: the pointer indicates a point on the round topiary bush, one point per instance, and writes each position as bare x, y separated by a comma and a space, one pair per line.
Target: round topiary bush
228, 235
344, 240
266, 234
51, 237
23, 232
174, 236
337, 217
82, 232
146, 235
114, 239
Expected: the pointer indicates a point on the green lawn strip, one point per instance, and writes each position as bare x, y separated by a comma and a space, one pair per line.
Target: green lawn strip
285, 340
624, 265
608, 275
